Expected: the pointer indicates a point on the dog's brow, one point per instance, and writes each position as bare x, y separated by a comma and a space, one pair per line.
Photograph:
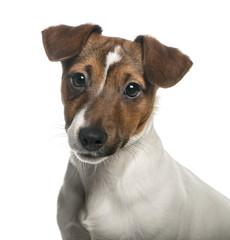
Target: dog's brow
127, 77
88, 69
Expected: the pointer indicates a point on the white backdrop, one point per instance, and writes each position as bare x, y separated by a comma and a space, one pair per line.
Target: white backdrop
193, 118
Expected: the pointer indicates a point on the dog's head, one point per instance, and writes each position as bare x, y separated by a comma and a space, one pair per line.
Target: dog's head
109, 85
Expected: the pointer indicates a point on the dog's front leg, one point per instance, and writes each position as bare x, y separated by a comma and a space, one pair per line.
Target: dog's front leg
70, 202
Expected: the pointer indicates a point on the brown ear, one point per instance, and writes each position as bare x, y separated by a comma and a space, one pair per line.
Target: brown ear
63, 42
164, 66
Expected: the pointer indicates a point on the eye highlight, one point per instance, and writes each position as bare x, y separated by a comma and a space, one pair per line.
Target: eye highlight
132, 90
78, 80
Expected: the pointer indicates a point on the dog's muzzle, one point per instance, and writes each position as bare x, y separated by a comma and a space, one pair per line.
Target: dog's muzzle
91, 144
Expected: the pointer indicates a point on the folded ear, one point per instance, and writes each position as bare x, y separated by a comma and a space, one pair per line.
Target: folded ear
63, 42
164, 66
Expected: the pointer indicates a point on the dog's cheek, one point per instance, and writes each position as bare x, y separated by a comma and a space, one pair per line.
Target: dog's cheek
145, 109
129, 116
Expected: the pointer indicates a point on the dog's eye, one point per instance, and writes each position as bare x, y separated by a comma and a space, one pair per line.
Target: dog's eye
78, 79
132, 90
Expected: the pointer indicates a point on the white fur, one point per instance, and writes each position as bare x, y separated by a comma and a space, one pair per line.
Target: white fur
145, 194
111, 58
77, 123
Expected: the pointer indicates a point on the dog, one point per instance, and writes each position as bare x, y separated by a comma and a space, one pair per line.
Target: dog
120, 183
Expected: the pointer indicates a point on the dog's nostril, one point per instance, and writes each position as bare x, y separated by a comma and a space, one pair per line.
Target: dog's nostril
92, 139
98, 142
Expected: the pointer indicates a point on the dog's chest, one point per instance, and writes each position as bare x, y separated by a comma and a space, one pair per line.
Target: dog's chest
109, 217
124, 208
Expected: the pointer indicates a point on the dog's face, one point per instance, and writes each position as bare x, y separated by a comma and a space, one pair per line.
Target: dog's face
106, 99
109, 85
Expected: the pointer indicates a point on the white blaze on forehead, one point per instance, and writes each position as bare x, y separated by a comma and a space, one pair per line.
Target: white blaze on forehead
111, 58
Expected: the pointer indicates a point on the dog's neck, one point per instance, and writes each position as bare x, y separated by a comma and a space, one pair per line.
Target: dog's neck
140, 157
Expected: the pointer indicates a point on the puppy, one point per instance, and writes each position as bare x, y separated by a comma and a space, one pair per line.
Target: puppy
120, 182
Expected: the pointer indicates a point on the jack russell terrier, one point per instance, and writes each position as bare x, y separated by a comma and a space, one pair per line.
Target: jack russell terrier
120, 182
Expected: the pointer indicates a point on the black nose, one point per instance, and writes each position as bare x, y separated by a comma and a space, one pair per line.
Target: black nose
92, 139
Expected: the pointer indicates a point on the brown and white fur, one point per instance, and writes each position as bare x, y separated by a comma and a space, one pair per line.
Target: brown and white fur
120, 182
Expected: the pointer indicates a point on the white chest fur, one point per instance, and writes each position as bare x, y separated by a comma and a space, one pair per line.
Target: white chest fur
131, 198
144, 194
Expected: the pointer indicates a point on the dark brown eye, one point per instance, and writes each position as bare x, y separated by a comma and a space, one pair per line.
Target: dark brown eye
78, 80
132, 90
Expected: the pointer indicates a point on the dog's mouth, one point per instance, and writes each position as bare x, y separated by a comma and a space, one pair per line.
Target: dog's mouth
88, 158
94, 157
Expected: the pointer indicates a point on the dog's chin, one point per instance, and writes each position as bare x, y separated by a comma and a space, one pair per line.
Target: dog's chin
88, 158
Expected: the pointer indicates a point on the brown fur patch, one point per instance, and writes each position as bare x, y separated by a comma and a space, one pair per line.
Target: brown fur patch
164, 66
63, 42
